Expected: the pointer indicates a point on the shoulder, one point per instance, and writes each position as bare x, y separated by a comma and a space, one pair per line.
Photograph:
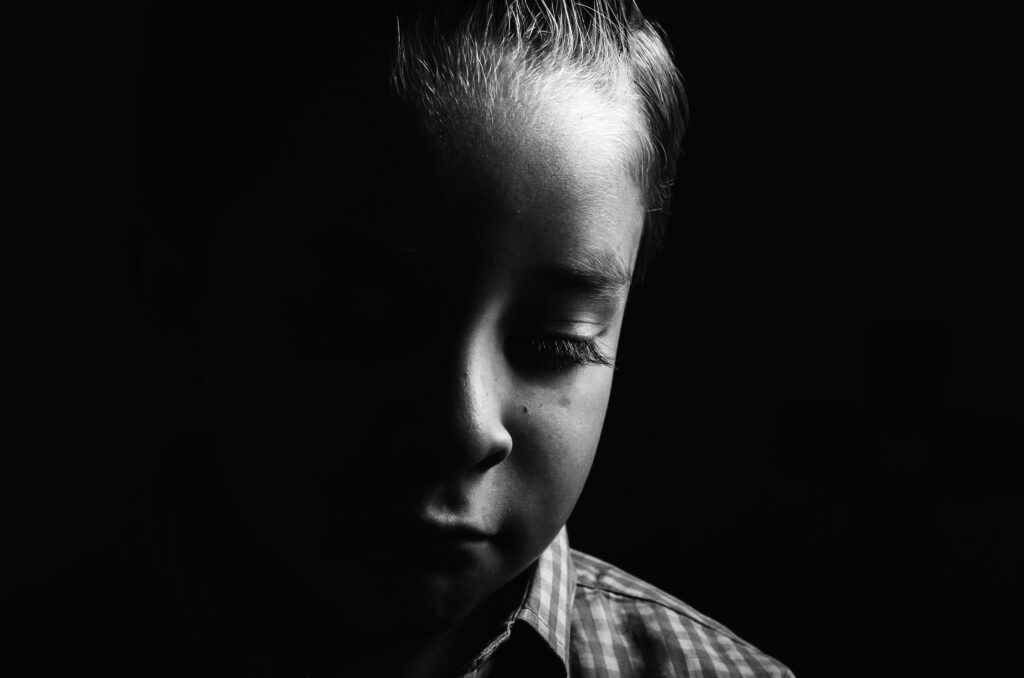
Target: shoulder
625, 626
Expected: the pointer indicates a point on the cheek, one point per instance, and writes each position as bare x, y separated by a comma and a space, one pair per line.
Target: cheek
556, 432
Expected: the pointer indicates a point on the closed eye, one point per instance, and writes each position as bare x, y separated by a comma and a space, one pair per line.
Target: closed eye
558, 353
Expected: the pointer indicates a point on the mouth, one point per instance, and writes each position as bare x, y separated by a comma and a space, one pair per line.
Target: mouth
439, 528
415, 531
435, 533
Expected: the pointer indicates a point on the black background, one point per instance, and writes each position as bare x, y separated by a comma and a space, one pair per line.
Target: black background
812, 431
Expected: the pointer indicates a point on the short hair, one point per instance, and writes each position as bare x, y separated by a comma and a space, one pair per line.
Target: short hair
450, 53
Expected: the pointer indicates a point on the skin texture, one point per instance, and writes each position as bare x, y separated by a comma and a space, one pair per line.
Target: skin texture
374, 380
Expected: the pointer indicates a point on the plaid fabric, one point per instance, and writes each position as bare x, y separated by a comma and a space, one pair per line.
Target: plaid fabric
595, 620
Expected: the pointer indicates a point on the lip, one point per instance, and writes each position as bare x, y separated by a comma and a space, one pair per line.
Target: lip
452, 531
442, 527
425, 534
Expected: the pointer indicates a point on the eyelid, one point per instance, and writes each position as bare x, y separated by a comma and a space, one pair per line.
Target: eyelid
576, 329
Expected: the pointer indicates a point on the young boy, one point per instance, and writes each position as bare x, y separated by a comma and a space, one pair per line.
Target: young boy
408, 397
408, 362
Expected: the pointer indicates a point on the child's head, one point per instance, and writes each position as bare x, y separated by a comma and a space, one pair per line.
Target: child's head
463, 62
412, 400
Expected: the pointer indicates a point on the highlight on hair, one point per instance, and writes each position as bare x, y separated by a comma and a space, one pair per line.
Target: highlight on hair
452, 55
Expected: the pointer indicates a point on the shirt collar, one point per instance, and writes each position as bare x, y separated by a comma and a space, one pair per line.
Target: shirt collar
547, 607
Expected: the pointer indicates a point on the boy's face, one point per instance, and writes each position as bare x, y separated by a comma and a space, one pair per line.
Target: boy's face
408, 406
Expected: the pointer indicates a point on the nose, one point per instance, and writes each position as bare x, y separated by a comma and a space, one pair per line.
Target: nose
469, 409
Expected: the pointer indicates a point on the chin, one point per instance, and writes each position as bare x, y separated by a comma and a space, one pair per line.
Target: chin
416, 599
434, 602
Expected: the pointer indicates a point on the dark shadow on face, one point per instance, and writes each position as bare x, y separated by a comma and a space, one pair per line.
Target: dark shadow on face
406, 353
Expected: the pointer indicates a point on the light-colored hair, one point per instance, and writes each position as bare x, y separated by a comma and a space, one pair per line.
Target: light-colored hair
457, 54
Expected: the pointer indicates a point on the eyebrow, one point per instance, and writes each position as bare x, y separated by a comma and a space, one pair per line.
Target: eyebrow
596, 273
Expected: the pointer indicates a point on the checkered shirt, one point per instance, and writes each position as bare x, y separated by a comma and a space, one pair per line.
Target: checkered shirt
593, 619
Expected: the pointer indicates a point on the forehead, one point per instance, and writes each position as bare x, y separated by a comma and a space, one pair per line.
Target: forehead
530, 180
550, 166
543, 123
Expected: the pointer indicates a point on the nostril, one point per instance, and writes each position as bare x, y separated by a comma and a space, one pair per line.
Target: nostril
493, 459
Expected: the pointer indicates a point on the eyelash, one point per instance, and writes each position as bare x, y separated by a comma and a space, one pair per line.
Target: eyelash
561, 353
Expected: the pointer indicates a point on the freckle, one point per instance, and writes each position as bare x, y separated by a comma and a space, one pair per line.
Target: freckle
525, 409
564, 401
